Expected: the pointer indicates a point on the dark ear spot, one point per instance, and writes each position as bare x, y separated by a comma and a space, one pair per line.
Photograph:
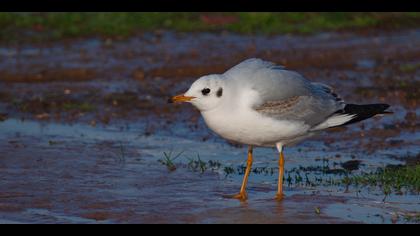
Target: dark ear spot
219, 92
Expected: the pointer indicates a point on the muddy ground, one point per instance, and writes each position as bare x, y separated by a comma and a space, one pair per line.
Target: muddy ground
85, 129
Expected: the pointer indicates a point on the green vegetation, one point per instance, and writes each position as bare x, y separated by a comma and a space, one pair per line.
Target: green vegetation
391, 179
409, 68
168, 160
197, 164
52, 103
412, 218
317, 210
52, 142
53, 26
78, 106
201, 166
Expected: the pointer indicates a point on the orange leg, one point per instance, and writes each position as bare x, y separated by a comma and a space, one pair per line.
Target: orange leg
242, 193
280, 195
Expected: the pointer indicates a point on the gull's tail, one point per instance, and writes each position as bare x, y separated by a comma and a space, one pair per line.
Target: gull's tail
353, 113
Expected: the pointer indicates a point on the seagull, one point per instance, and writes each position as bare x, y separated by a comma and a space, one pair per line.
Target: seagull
261, 104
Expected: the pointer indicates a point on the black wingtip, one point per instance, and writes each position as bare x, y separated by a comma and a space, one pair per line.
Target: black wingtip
382, 106
363, 112
366, 109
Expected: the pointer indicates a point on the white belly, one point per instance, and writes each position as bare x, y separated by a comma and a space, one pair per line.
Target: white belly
250, 127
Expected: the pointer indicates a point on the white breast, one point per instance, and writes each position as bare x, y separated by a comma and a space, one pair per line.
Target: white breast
245, 125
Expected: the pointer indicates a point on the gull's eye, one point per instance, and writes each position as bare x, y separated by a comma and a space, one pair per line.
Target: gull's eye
205, 91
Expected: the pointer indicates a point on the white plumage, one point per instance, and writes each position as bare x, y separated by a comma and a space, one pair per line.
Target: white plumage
253, 109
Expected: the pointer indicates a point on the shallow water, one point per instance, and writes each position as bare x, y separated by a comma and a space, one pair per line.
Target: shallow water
83, 175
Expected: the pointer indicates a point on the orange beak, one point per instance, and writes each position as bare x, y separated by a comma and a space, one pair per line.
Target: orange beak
180, 98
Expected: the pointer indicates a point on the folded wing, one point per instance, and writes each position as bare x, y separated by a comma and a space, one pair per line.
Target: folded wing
285, 94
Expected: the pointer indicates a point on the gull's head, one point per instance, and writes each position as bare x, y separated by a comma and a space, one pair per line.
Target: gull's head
205, 93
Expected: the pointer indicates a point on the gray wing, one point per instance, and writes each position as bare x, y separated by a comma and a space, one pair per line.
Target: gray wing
311, 110
285, 94
271, 81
